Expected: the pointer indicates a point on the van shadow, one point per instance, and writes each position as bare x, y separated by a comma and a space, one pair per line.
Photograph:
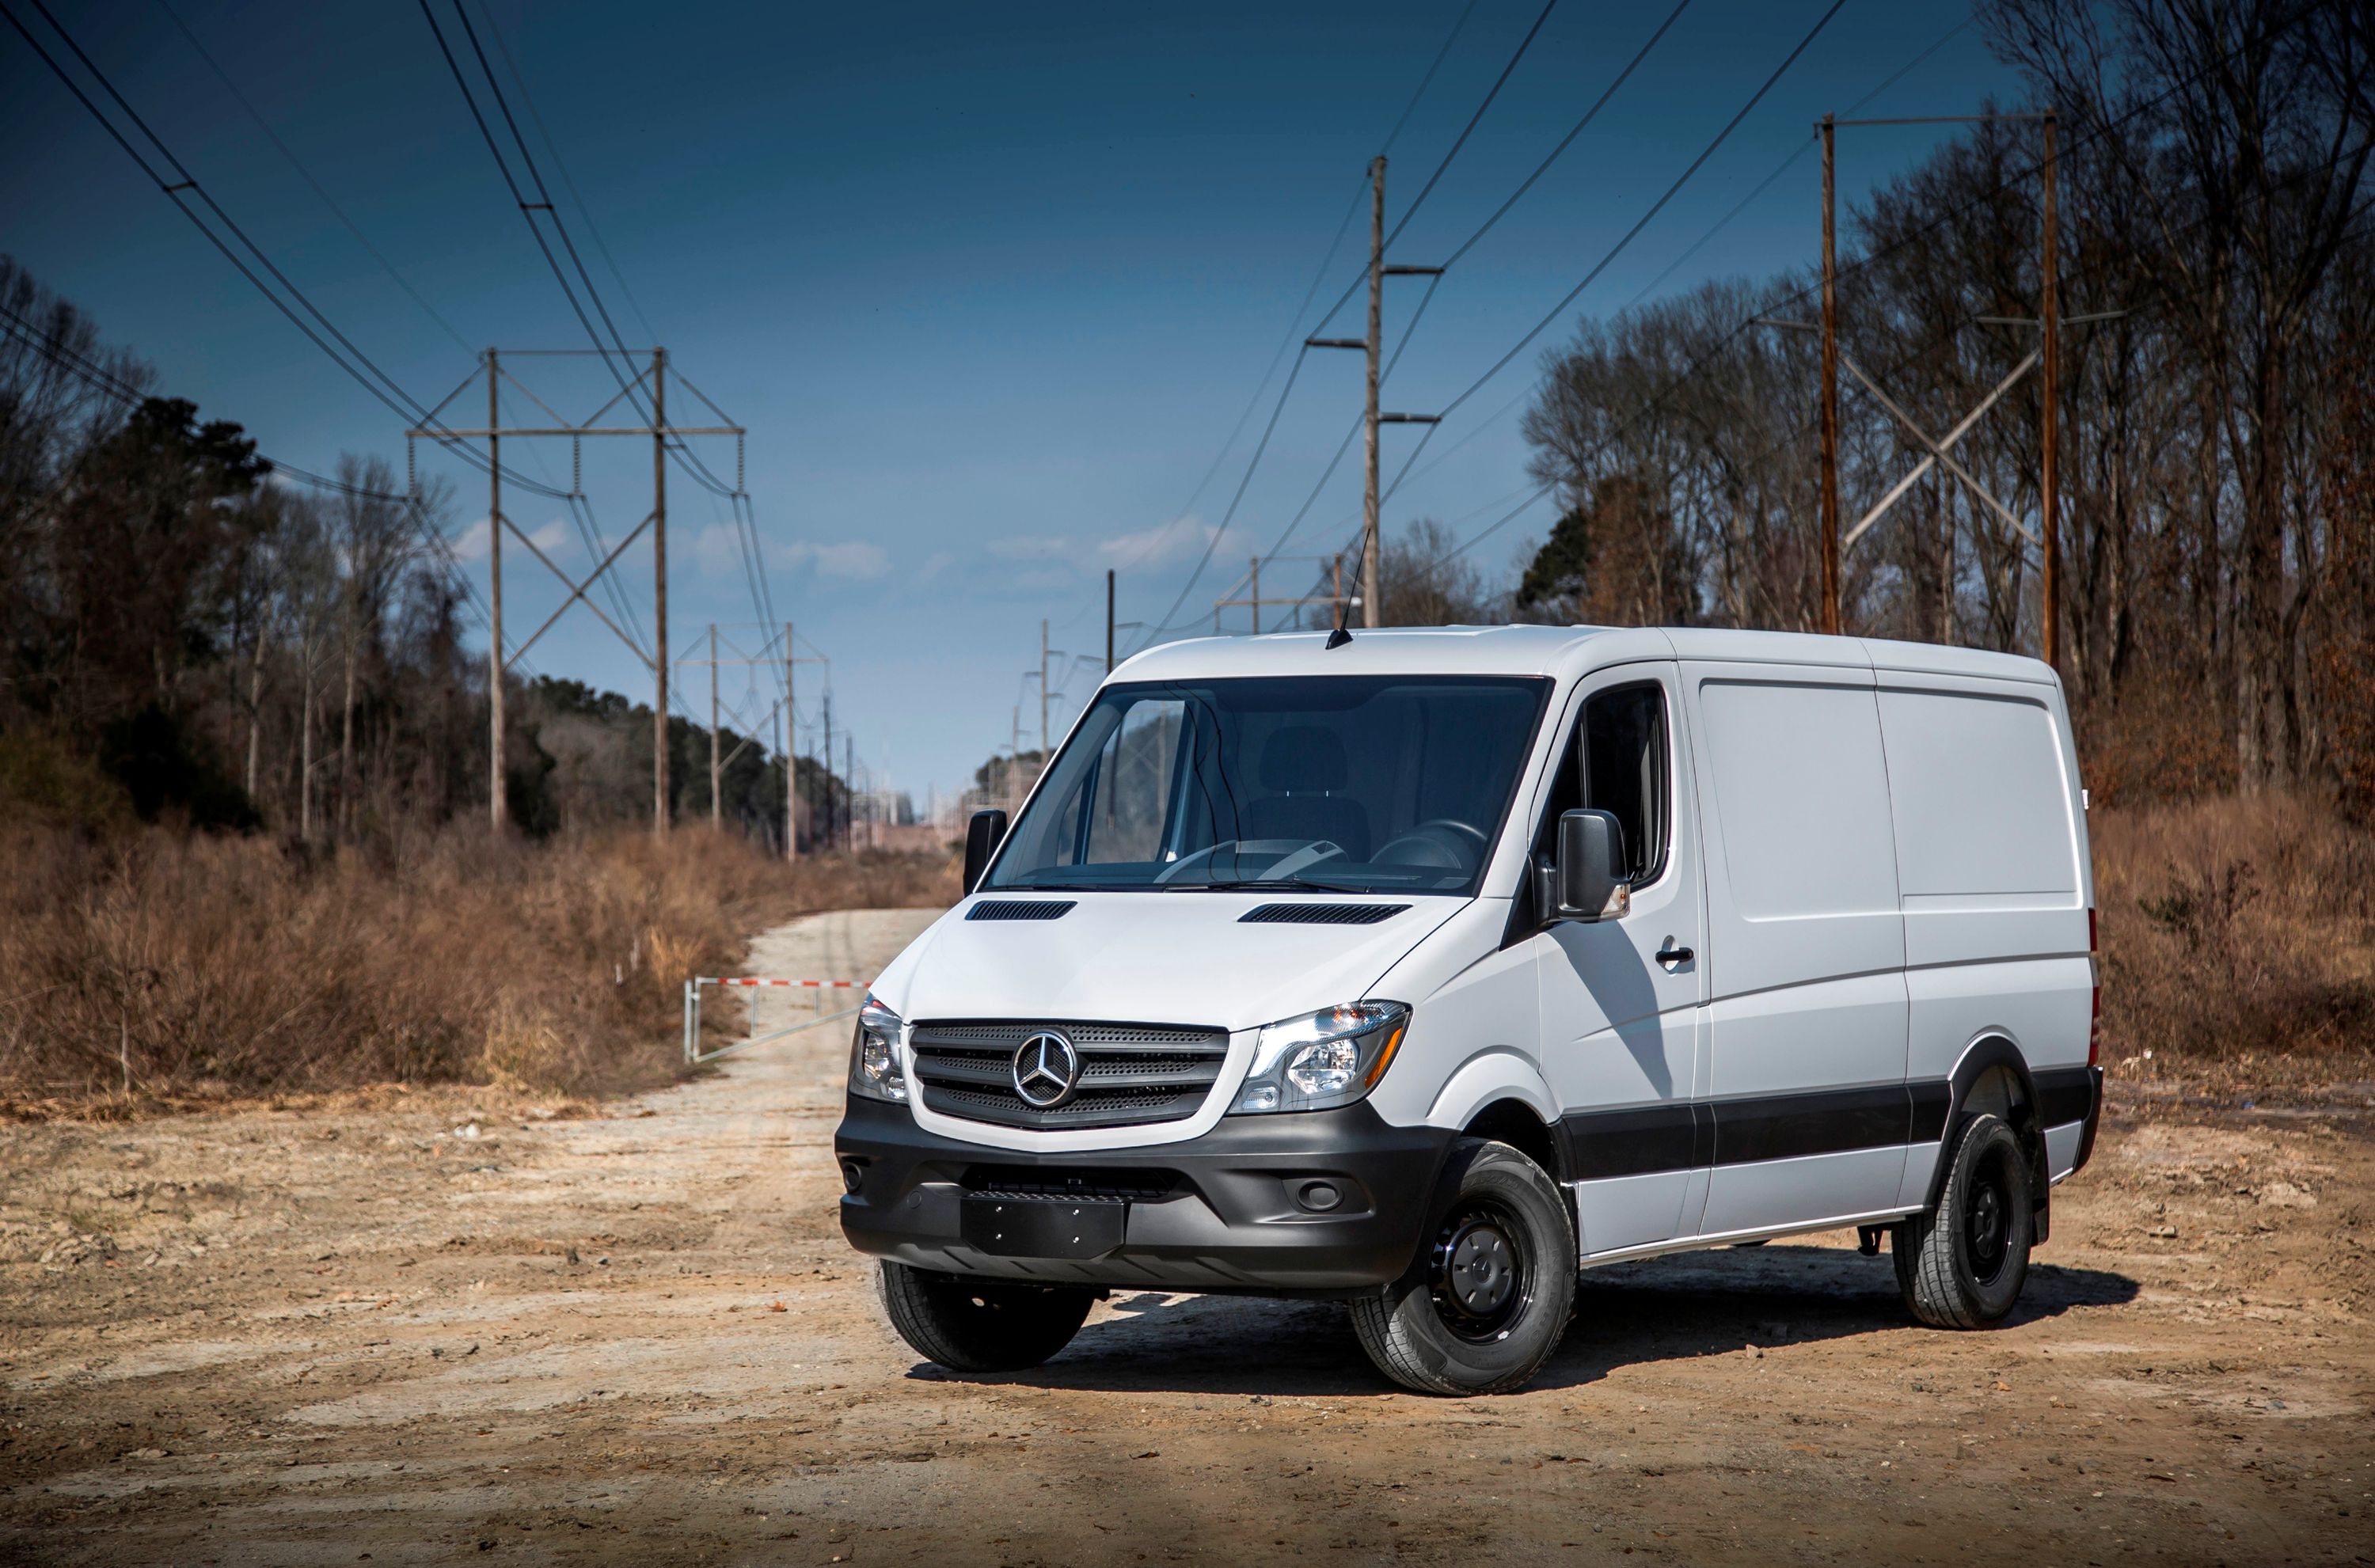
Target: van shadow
1670, 1309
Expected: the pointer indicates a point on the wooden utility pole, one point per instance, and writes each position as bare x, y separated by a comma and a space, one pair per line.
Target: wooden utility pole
1372, 603
1043, 694
791, 756
2048, 477
825, 836
1256, 573
1369, 552
495, 803
717, 796
1109, 620
1830, 396
659, 594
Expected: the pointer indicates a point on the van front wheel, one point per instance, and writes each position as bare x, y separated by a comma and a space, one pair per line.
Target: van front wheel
970, 1325
1487, 1300
1962, 1265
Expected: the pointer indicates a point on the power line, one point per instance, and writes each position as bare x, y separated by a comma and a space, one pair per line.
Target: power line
358, 365
1408, 110
1920, 347
1461, 250
561, 166
1473, 121
307, 175
1618, 248
1655, 207
686, 459
1294, 329
116, 386
1458, 142
1649, 288
1574, 131
1164, 624
1294, 324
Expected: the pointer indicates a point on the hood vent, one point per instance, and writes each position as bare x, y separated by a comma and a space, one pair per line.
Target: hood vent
1320, 913
1012, 909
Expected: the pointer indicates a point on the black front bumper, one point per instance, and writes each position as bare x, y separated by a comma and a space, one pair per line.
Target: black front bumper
1226, 1211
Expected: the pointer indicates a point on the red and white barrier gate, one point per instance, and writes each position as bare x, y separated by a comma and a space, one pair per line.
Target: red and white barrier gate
757, 988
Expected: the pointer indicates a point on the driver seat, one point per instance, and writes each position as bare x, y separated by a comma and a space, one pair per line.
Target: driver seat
1303, 765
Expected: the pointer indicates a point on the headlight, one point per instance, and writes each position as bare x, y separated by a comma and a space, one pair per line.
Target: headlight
1330, 1057
874, 1054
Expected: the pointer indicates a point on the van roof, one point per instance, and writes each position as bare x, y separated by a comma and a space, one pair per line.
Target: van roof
1549, 651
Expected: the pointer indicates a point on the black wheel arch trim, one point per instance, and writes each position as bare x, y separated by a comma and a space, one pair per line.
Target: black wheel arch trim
1984, 1055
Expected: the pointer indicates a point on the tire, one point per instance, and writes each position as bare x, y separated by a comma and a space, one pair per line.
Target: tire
970, 1325
1488, 1298
1962, 1265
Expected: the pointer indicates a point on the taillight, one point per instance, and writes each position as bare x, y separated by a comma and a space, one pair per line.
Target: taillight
2095, 1022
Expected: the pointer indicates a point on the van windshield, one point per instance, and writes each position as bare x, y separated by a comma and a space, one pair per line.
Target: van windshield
1356, 784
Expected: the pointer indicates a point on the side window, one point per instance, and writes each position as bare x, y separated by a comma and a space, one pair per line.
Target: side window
1623, 755
1616, 762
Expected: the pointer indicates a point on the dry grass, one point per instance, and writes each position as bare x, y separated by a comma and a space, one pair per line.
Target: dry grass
2237, 935
2233, 931
194, 965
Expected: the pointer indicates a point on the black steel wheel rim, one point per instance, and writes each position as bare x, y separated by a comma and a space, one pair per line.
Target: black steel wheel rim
1481, 1278
1988, 1220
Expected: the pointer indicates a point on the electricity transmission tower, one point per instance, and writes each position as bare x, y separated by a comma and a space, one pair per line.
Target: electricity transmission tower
1334, 599
653, 379
2047, 536
778, 650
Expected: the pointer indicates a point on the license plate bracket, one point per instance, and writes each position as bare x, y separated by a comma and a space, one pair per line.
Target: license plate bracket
1068, 1229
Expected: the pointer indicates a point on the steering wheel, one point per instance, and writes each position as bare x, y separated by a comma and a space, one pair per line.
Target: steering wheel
1443, 841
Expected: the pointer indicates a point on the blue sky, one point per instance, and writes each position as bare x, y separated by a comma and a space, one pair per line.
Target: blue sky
990, 286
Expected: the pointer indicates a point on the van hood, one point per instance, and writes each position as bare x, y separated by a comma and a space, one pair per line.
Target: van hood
1183, 958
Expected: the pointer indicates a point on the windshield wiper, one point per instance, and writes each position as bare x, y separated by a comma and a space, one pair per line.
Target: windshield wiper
1269, 884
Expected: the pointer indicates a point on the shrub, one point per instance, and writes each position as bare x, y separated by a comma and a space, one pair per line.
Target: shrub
2236, 926
181, 964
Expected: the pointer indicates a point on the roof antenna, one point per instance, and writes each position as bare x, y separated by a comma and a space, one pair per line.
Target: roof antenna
1339, 637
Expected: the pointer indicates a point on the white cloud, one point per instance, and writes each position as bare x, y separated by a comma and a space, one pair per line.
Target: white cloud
1031, 547
717, 551
859, 559
1181, 537
553, 538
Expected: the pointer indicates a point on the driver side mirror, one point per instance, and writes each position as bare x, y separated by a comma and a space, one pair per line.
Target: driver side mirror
1585, 876
984, 834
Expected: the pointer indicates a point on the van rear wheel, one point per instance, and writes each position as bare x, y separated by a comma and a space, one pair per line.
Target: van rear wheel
1962, 1265
969, 1325
1487, 1300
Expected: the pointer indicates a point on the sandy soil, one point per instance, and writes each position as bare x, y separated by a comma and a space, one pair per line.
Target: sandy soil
357, 1333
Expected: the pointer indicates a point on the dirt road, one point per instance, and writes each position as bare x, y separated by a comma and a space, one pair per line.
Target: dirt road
431, 1326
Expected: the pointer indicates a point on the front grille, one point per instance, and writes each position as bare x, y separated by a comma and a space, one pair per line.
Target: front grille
1319, 913
1120, 1185
1130, 1073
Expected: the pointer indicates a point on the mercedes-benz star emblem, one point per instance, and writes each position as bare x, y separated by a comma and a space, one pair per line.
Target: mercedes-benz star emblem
1047, 1069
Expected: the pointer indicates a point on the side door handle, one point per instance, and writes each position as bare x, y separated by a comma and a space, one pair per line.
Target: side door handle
1673, 955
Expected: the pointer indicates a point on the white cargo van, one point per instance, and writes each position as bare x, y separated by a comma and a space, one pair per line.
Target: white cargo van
1418, 970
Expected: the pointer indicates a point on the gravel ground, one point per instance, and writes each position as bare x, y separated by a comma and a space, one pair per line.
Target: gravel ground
416, 1328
